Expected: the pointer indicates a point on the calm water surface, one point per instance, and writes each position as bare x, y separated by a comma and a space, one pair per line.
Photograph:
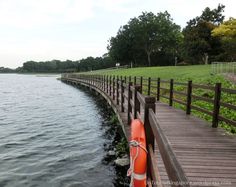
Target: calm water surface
50, 134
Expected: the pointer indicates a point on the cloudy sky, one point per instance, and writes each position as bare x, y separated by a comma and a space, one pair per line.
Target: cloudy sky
73, 29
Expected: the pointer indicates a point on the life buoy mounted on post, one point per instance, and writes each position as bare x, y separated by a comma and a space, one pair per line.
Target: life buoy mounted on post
138, 155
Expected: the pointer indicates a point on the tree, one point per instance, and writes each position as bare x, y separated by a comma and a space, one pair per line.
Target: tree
198, 43
148, 34
227, 33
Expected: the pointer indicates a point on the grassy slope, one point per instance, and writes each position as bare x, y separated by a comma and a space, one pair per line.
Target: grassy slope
198, 74
201, 74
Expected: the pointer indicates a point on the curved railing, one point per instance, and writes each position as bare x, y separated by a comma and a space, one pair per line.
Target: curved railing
128, 97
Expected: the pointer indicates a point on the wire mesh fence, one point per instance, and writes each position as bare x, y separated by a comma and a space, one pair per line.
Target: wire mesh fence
223, 67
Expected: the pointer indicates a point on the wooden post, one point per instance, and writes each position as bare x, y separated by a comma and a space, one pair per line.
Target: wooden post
137, 88
125, 79
189, 98
149, 85
95, 81
150, 139
110, 85
129, 105
129, 78
113, 88
134, 80
117, 90
107, 84
122, 95
158, 89
216, 111
141, 84
102, 82
171, 92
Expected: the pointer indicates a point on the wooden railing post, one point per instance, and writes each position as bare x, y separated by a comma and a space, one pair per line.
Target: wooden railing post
107, 82
149, 85
141, 84
129, 78
137, 89
94, 80
100, 81
158, 88
125, 79
149, 103
129, 107
122, 95
189, 97
135, 80
113, 88
216, 111
110, 86
171, 92
117, 90
150, 139
104, 83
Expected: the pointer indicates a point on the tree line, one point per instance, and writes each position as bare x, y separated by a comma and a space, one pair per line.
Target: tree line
155, 40
57, 66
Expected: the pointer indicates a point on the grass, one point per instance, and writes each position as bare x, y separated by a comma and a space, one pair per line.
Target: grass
199, 74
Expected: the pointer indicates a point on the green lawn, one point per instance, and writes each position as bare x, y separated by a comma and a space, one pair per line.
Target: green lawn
201, 74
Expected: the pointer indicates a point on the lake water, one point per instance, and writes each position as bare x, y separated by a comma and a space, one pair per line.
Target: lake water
50, 134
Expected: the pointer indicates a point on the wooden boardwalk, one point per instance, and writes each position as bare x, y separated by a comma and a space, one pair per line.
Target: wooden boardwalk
207, 155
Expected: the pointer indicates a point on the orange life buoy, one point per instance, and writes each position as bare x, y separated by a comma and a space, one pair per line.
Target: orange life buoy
138, 155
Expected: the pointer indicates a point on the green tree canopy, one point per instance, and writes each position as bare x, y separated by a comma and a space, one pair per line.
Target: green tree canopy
227, 33
147, 34
198, 42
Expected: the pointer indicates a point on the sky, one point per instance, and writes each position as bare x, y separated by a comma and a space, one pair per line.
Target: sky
43, 30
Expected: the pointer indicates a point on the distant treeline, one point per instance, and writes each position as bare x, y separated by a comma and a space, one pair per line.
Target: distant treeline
57, 66
6, 70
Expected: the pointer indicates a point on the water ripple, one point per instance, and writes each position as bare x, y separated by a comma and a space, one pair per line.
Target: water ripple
50, 135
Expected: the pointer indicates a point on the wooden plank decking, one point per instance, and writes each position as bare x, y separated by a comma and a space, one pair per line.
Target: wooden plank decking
206, 154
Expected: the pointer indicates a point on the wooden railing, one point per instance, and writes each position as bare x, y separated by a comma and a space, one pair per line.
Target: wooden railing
188, 96
128, 98
136, 96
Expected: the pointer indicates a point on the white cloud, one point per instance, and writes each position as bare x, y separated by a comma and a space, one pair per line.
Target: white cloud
37, 13
116, 6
